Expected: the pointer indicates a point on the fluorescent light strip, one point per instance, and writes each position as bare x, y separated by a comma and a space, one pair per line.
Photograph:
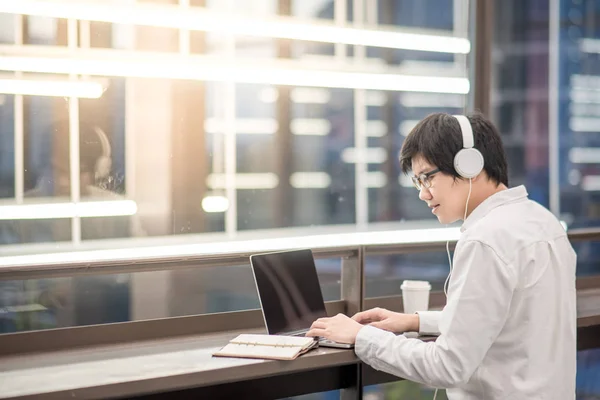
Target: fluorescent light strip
376, 99
174, 68
267, 180
580, 124
215, 204
427, 100
584, 96
268, 126
584, 109
310, 126
372, 155
268, 95
201, 19
591, 183
297, 95
437, 235
54, 88
68, 210
369, 63
589, 45
310, 180
310, 95
376, 179
405, 181
249, 126
376, 128
584, 155
406, 126
585, 82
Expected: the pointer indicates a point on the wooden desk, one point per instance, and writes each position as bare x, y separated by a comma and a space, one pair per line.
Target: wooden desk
172, 364
183, 367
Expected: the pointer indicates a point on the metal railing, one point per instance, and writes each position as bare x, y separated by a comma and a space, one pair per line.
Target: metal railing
352, 294
69, 265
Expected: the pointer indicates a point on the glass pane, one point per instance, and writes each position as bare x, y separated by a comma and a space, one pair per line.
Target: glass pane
588, 258
322, 9
299, 159
7, 28
588, 374
7, 147
403, 390
87, 300
520, 92
42, 30
384, 274
323, 177
578, 115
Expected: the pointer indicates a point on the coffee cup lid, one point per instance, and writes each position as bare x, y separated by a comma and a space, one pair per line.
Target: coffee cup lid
408, 284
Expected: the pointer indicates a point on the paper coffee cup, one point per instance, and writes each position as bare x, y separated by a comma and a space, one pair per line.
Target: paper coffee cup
415, 296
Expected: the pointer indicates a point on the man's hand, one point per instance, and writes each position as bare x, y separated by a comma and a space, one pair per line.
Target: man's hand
340, 329
388, 320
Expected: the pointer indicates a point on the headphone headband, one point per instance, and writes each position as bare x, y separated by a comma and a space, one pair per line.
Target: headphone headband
103, 139
466, 130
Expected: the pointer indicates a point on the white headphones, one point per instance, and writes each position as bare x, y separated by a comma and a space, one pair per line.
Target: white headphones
103, 164
468, 162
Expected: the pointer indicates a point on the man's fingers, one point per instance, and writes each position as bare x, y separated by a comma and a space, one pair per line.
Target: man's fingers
364, 316
378, 324
358, 317
319, 324
315, 332
368, 316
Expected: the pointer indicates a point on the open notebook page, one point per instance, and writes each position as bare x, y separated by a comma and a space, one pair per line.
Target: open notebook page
267, 346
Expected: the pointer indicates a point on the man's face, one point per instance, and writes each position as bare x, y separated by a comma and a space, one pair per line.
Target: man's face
445, 197
62, 179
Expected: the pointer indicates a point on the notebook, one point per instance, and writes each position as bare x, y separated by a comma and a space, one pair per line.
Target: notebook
271, 347
289, 293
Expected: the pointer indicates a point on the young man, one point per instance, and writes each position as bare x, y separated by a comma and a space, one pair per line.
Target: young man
508, 330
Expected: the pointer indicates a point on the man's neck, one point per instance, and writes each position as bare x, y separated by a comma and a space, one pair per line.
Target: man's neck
480, 193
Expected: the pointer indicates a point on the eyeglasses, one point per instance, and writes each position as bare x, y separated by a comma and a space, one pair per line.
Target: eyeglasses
424, 180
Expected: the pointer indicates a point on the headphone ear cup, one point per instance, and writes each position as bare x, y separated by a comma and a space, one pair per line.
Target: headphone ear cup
103, 167
468, 163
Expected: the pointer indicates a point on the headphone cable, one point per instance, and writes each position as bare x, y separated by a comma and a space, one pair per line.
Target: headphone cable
448, 241
450, 258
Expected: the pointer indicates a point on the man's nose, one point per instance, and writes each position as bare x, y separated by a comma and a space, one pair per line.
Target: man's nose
424, 193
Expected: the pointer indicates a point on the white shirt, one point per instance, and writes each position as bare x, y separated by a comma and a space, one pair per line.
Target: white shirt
508, 330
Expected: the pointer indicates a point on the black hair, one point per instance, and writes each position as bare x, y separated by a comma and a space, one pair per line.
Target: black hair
437, 138
90, 146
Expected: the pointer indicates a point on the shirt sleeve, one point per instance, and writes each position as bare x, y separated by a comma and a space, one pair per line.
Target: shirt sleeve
429, 322
479, 297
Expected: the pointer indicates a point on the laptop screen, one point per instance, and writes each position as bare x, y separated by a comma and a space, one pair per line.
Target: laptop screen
288, 289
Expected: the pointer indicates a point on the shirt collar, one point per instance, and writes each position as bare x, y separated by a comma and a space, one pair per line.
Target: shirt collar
496, 200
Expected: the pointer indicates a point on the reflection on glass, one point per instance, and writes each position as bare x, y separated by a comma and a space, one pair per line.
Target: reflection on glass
523, 110
578, 117
588, 258
403, 390
98, 299
48, 180
41, 30
389, 391
219, 156
62, 302
384, 274
588, 374
7, 146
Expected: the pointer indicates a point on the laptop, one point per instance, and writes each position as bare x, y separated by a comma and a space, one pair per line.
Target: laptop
289, 293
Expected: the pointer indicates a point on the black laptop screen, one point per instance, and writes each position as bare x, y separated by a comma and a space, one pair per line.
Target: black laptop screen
289, 290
